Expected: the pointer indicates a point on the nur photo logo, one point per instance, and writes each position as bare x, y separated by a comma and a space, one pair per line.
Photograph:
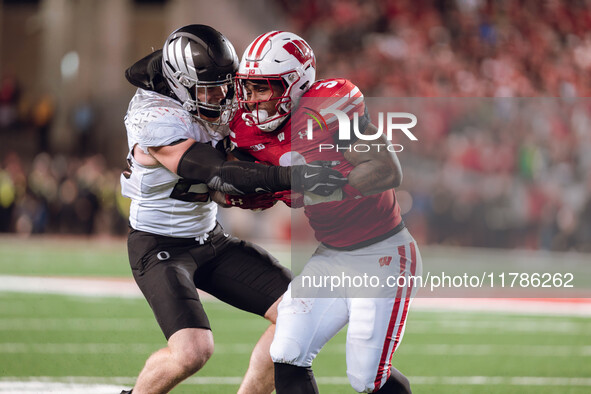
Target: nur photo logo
387, 123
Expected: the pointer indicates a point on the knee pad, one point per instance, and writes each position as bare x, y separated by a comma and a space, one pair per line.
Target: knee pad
286, 351
361, 384
361, 370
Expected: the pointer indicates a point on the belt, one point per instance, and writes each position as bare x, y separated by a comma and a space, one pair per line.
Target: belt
218, 229
370, 241
206, 237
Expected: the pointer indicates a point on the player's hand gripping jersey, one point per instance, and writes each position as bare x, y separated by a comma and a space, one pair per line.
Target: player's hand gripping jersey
341, 224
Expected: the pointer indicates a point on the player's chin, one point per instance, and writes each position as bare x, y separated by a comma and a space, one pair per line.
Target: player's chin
208, 119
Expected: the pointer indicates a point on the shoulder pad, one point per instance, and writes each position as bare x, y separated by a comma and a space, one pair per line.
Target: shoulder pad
336, 87
334, 94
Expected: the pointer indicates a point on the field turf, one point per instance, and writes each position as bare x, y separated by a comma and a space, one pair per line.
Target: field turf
106, 339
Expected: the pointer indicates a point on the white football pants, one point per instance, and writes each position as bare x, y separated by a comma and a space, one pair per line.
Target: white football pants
376, 311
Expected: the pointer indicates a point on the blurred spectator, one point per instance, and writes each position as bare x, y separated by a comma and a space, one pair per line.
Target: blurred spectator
7, 200
41, 117
9, 100
83, 120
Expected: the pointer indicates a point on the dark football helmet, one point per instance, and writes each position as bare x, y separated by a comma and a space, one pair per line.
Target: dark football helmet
199, 64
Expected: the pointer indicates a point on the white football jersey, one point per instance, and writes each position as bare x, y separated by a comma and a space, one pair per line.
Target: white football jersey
161, 202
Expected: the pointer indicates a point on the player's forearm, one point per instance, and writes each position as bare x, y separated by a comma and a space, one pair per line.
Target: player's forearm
254, 177
205, 164
202, 163
376, 170
373, 177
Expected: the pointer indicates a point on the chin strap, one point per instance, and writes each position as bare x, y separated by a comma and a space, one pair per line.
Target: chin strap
273, 125
261, 116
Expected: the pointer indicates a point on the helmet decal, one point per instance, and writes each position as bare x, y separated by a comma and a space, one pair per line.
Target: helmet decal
301, 51
256, 49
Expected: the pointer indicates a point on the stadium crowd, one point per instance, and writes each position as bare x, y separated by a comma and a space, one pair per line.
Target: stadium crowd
521, 179
501, 171
60, 195
451, 48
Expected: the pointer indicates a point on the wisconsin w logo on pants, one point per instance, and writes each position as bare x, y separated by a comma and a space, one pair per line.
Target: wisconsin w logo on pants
385, 260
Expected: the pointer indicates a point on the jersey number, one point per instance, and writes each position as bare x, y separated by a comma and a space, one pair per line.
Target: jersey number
184, 190
328, 85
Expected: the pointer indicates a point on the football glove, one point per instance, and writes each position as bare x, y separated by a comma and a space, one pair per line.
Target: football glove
317, 177
259, 201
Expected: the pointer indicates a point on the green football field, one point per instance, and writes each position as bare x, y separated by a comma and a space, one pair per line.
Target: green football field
102, 342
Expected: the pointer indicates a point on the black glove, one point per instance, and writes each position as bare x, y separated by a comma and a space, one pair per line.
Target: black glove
317, 177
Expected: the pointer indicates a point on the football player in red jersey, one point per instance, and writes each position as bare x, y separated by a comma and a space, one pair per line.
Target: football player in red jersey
360, 223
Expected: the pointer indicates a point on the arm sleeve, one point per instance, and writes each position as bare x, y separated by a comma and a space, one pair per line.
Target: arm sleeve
203, 163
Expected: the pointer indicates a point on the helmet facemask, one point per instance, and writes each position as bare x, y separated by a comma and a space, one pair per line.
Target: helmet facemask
213, 102
279, 93
276, 56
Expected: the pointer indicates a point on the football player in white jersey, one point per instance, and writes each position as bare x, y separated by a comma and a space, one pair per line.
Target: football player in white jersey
179, 113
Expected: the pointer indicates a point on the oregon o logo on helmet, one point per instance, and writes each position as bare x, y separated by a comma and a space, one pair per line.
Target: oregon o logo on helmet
345, 129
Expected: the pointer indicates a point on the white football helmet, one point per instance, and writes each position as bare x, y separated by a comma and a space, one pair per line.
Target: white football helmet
197, 60
281, 59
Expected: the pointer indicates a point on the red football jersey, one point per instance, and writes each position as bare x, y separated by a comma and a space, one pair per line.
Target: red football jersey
340, 223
